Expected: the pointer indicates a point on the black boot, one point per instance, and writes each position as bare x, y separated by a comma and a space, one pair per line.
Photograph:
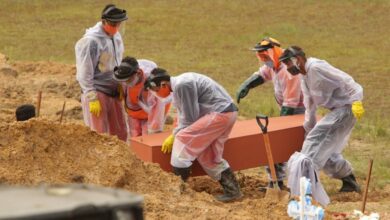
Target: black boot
350, 184
231, 188
271, 185
280, 184
184, 173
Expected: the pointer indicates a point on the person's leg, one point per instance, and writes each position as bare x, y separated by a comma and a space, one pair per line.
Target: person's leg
144, 127
99, 123
193, 140
116, 119
134, 126
339, 168
329, 136
280, 168
215, 166
324, 144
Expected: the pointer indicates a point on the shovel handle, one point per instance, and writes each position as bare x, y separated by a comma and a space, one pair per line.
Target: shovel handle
263, 127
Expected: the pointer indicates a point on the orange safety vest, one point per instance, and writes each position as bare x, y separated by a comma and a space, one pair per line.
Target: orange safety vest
136, 111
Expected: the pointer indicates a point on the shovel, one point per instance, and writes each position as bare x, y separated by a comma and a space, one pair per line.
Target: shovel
274, 193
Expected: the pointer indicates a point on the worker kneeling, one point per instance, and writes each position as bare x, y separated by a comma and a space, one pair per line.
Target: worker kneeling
206, 114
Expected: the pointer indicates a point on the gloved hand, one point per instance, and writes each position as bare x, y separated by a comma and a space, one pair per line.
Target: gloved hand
249, 83
168, 144
95, 107
286, 111
357, 109
241, 93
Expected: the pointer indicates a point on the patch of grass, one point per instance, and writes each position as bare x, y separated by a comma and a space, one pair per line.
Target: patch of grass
213, 37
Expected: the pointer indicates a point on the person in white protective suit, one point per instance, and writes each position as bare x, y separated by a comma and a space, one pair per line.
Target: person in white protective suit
288, 93
206, 114
146, 112
97, 53
324, 86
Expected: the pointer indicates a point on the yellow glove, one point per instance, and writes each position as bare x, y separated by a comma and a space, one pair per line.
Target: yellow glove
168, 144
357, 109
95, 107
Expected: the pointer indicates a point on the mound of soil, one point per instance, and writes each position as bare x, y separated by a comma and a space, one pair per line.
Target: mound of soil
41, 151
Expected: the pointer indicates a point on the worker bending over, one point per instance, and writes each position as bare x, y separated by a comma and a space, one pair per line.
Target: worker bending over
206, 114
146, 112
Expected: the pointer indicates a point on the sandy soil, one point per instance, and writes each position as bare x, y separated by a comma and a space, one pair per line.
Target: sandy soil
42, 150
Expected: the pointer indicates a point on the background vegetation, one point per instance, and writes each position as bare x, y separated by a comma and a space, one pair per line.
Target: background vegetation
213, 37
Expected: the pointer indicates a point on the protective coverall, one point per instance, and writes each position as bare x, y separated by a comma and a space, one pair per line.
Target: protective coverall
146, 112
206, 116
288, 95
96, 56
333, 89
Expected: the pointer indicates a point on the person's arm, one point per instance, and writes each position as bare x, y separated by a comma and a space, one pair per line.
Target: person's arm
311, 109
256, 79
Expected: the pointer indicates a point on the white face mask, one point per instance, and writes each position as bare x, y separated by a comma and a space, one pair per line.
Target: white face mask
134, 81
269, 63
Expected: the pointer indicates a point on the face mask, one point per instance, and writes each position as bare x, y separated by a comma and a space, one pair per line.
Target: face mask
294, 69
110, 30
269, 63
134, 81
164, 91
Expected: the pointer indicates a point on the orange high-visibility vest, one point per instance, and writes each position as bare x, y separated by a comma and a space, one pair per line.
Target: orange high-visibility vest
135, 111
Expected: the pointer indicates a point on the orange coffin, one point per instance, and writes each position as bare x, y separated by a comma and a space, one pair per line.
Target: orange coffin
244, 149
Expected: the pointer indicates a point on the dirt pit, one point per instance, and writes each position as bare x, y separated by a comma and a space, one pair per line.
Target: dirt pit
42, 150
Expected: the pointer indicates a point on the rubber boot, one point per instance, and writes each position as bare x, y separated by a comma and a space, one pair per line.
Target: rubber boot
231, 188
350, 184
184, 173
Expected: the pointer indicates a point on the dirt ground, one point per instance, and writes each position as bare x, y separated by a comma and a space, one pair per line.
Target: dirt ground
42, 150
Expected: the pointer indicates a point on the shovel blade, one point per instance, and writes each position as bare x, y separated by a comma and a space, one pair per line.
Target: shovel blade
277, 195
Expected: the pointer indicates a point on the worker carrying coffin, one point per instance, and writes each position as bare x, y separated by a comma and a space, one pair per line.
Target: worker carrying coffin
288, 93
323, 86
206, 114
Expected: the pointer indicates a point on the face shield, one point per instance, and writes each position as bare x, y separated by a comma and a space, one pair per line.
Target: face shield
113, 18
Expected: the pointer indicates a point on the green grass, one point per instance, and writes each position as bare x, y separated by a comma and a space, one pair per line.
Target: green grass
213, 37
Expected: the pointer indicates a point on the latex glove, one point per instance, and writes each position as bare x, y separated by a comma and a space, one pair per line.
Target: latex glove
286, 111
95, 107
241, 93
248, 84
357, 109
168, 144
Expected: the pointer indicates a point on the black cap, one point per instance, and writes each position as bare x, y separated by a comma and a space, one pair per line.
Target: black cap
156, 77
266, 44
126, 69
25, 112
291, 52
113, 14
